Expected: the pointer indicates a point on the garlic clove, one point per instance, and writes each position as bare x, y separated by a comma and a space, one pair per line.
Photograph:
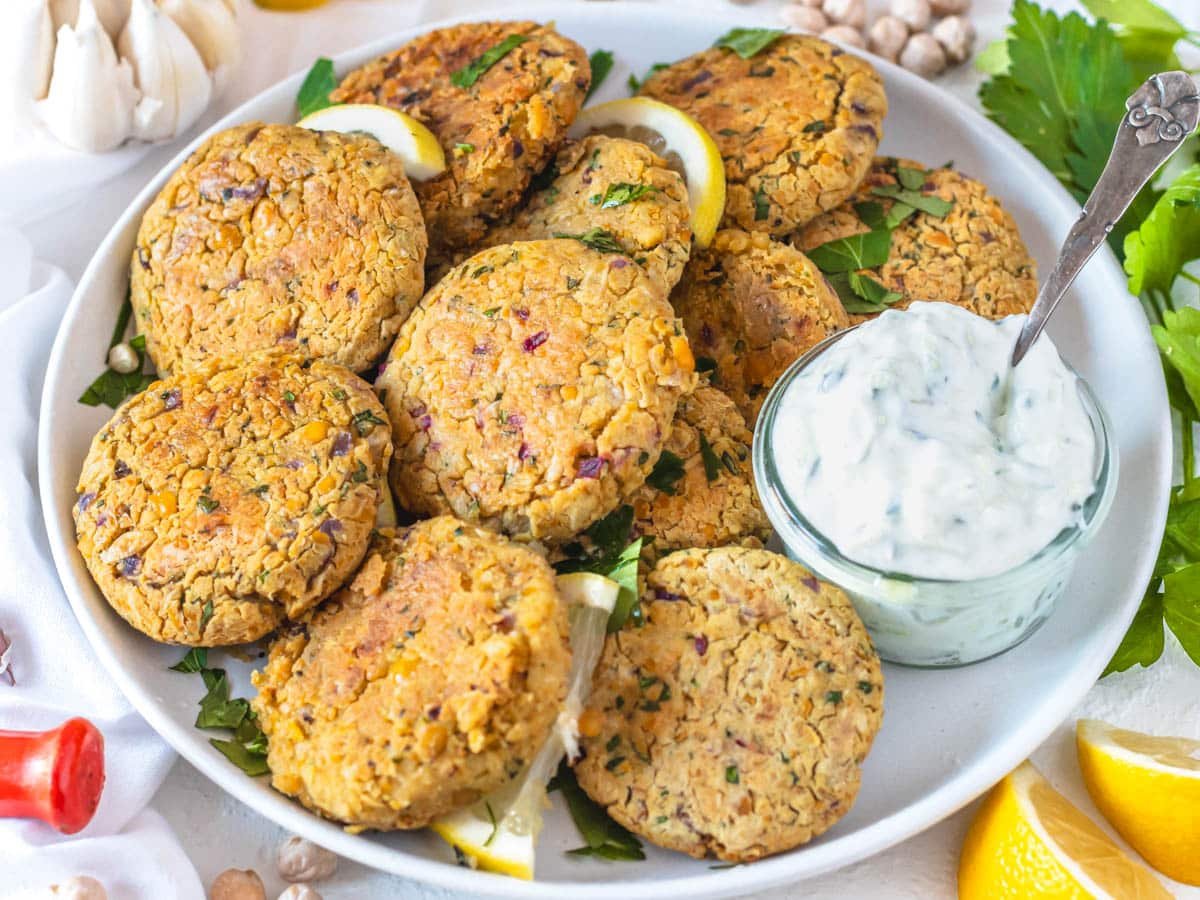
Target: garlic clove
212, 27
170, 73
89, 105
112, 14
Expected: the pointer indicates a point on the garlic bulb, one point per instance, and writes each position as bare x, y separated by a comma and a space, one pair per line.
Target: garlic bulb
90, 102
212, 26
170, 73
112, 14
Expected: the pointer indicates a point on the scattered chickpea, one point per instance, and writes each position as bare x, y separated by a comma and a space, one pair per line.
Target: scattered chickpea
913, 13
300, 892
923, 55
844, 34
237, 884
846, 12
299, 860
81, 887
957, 37
949, 7
805, 18
887, 37
123, 358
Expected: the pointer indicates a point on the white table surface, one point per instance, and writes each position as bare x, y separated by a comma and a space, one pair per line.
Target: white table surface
218, 832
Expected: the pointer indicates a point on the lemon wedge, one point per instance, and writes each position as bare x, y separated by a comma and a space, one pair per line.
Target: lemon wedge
499, 833
677, 138
1149, 790
1028, 840
402, 134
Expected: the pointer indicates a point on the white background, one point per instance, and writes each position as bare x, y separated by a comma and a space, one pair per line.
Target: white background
218, 832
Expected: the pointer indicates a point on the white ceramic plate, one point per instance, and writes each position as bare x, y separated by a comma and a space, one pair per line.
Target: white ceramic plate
947, 735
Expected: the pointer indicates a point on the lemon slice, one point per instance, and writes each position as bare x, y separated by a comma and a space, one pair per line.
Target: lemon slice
677, 138
402, 134
1149, 789
385, 512
1027, 840
499, 833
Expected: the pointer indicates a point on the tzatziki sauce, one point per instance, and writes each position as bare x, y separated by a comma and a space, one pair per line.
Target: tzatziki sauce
915, 448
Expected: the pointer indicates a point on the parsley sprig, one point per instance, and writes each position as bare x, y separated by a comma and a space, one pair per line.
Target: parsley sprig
1058, 85
318, 85
612, 551
747, 42
597, 239
602, 837
474, 70
620, 193
247, 748
112, 387
601, 62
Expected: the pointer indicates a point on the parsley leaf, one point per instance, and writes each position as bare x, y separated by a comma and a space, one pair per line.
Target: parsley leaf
217, 710
1063, 92
318, 84
613, 555
193, 661
1147, 32
620, 193
926, 203
474, 70
596, 238
242, 756
1167, 238
602, 63
746, 42
667, 471
712, 465
248, 748
1181, 608
859, 251
861, 294
762, 204
635, 85
602, 837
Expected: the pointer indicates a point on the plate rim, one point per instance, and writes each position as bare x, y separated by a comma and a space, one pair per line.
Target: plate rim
871, 839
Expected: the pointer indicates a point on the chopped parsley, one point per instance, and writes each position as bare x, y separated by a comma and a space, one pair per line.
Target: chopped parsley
603, 838
712, 465
834, 697
207, 504
462, 149
667, 471
248, 747
602, 63
474, 70
193, 661
613, 555
731, 774
366, 421
318, 85
621, 193
817, 127
206, 615
746, 42
762, 204
597, 239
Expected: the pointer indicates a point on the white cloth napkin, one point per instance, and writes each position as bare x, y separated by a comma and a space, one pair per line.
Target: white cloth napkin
126, 847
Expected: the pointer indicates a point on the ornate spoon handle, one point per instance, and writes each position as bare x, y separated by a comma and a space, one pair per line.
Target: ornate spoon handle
1161, 113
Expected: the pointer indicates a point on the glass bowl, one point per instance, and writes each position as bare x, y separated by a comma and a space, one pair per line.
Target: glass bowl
928, 621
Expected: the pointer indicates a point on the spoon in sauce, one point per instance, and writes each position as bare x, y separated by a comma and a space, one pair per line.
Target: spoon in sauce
1160, 114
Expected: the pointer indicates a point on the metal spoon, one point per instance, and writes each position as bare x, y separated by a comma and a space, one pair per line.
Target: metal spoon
1161, 113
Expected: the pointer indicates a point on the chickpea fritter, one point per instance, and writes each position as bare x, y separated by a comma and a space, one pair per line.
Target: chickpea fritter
621, 187
277, 237
733, 722
751, 306
797, 125
219, 502
497, 132
428, 682
533, 388
973, 256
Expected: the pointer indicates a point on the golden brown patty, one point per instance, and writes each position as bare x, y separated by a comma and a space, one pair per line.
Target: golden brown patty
734, 721
702, 493
220, 501
797, 125
973, 256
496, 132
751, 306
428, 682
532, 389
273, 236
620, 187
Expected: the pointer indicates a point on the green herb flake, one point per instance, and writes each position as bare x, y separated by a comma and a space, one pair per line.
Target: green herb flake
193, 661
762, 204
206, 615
731, 774
601, 63
482, 270
926, 203
712, 464
746, 42
815, 127
463, 148
473, 71
834, 697
705, 364
207, 504
621, 193
597, 239
495, 825
491, 312
635, 84
318, 85
366, 421
360, 474
668, 470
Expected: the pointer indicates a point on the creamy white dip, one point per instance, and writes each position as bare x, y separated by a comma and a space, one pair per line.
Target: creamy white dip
913, 446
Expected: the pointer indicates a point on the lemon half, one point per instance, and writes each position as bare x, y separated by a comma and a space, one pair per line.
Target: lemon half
1149, 789
1028, 840
402, 134
679, 139
499, 833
